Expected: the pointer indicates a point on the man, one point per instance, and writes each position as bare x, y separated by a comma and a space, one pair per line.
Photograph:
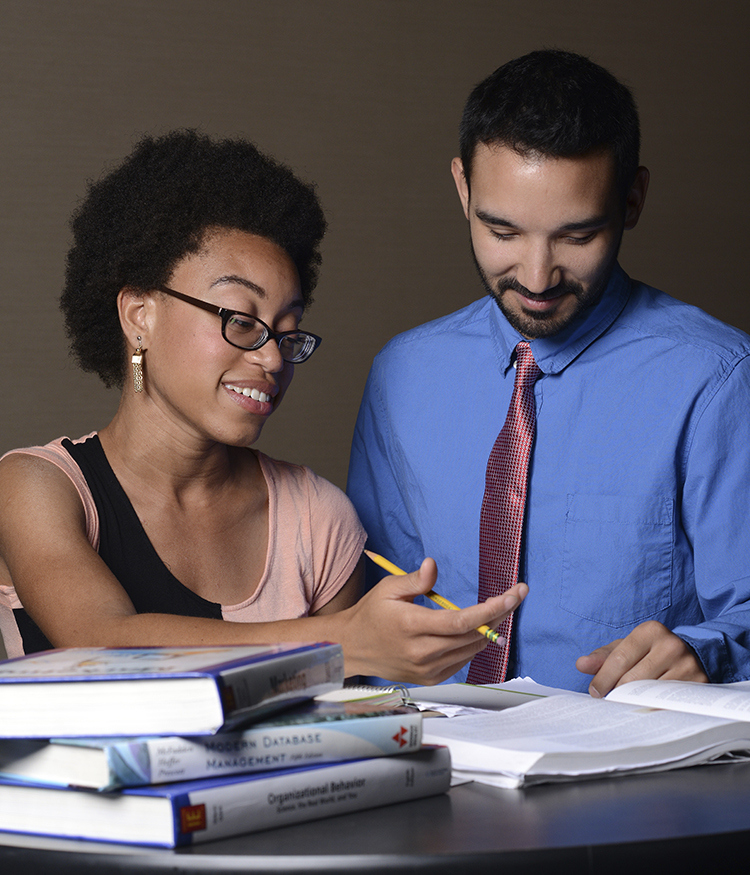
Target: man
634, 544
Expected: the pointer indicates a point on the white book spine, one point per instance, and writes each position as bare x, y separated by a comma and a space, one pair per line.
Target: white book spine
310, 795
295, 675
275, 747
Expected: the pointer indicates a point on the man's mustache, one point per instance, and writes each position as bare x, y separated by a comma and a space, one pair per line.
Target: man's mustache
562, 288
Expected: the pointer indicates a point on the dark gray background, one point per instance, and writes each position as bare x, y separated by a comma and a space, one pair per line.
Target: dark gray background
363, 97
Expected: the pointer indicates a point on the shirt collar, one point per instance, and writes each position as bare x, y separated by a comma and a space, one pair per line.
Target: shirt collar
554, 354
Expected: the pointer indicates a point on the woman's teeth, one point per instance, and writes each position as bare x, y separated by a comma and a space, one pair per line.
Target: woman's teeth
250, 393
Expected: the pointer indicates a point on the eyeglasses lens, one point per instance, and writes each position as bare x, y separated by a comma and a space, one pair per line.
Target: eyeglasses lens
297, 347
243, 331
247, 333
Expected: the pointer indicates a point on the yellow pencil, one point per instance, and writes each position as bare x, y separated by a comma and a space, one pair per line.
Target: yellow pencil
493, 636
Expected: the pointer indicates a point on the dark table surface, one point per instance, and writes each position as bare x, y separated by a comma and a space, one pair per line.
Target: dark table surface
689, 820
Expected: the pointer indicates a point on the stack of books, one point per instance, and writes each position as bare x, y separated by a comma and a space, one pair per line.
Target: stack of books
170, 746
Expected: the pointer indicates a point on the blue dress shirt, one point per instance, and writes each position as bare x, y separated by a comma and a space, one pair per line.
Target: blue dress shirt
639, 483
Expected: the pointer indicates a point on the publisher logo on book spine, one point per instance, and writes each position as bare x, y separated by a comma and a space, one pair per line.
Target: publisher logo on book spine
401, 737
192, 818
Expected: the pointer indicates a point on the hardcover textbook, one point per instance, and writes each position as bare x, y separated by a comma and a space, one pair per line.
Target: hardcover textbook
198, 811
98, 691
318, 732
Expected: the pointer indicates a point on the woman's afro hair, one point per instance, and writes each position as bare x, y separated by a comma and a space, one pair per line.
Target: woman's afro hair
158, 206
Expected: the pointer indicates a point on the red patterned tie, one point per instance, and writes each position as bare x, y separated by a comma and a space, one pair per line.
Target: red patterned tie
501, 520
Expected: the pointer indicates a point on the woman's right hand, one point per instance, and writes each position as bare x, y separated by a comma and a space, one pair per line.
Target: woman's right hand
387, 635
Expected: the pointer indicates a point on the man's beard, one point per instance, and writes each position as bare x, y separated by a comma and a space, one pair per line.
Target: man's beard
534, 324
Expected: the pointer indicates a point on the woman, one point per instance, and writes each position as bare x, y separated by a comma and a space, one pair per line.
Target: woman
191, 267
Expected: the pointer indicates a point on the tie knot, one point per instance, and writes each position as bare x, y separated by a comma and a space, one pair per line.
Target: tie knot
527, 370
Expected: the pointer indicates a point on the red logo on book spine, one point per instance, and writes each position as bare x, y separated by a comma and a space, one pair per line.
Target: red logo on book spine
192, 818
400, 737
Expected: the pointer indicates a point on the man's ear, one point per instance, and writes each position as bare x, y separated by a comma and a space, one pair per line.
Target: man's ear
134, 308
636, 198
462, 185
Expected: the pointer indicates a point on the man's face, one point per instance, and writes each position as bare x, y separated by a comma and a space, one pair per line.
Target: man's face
545, 232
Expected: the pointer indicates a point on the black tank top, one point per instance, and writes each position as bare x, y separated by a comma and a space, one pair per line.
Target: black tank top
125, 548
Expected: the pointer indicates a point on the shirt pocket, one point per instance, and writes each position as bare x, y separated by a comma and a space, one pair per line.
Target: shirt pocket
617, 557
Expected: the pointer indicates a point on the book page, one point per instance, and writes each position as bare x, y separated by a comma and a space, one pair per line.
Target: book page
577, 735
730, 701
558, 724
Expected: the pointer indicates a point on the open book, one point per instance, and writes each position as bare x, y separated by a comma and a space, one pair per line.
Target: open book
642, 726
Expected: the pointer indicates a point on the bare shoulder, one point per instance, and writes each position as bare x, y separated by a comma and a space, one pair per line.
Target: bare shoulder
29, 471
32, 486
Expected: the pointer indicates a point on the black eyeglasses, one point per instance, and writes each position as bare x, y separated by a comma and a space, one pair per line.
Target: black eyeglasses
248, 332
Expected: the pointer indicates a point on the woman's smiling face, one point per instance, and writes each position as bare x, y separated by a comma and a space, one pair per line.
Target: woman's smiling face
194, 377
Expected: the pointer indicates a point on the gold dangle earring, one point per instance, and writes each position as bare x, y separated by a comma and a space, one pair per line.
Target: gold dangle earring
138, 368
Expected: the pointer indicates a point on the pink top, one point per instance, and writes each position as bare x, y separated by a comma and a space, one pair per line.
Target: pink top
314, 543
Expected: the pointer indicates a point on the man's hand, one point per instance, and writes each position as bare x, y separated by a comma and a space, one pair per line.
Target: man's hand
649, 651
387, 635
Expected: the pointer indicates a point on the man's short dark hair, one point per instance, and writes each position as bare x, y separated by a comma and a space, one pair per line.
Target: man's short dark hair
555, 104
158, 206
